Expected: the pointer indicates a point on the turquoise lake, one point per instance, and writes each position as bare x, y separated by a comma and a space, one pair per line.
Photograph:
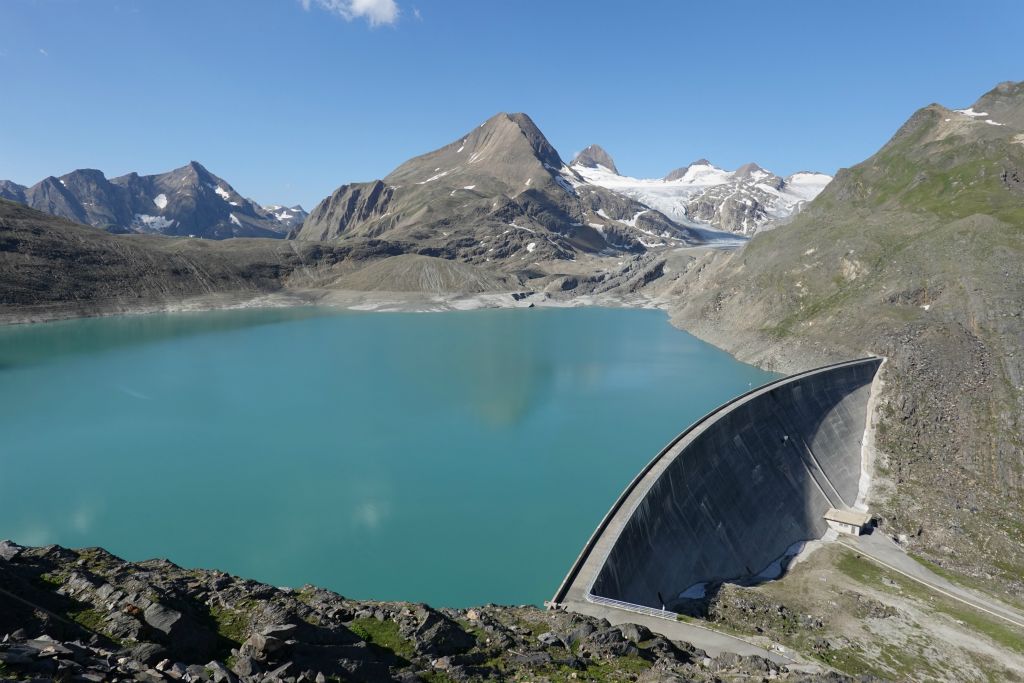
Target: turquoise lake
450, 458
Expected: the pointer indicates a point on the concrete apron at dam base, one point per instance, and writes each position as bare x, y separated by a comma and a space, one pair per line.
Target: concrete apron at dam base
731, 497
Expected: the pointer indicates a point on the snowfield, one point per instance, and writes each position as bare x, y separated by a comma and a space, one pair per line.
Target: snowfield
764, 198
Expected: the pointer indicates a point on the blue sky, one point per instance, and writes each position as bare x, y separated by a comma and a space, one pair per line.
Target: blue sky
287, 99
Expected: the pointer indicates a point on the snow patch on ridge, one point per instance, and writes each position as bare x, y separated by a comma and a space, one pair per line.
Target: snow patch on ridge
434, 177
144, 222
970, 112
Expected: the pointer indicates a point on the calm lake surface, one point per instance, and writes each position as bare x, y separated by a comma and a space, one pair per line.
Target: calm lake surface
450, 458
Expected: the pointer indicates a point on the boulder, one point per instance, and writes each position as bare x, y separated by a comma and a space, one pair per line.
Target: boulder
245, 666
220, 673
550, 639
282, 631
635, 632
436, 635
581, 632
9, 550
161, 618
147, 653
259, 646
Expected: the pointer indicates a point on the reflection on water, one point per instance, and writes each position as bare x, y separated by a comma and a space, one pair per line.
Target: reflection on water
24, 344
453, 458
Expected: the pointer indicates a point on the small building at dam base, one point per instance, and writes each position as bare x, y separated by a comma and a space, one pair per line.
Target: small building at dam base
849, 522
730, 496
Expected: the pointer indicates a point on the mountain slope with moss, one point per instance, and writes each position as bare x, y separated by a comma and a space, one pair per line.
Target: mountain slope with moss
87, 615
916, 254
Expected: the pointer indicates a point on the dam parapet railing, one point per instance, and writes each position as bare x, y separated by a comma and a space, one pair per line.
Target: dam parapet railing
822, 409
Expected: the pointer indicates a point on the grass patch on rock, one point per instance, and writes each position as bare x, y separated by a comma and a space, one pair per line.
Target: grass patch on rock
89, 618
232, 626
383, 634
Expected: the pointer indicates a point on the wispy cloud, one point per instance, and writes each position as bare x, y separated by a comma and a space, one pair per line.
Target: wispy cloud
44, 52
376, 12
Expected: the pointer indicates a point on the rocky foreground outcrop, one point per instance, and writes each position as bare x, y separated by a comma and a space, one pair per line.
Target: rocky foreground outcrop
86, 615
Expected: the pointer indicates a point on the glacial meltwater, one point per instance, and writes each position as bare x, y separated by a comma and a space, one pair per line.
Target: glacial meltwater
449, 458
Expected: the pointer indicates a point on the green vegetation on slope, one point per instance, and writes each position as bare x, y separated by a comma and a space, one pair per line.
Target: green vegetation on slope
916, 254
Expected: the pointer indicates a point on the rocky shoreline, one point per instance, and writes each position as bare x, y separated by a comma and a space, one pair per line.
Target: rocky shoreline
86, 615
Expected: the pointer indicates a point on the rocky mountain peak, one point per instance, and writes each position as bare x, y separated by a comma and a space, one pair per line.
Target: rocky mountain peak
12, 191
189, 200
507, 148
500, 191
747, 170
89, 174
681, 171
196, 170
543, 149
1004, 105
593, 156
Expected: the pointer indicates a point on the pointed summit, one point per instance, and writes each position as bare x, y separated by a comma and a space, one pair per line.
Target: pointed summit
594, 156
543, 149
506, 147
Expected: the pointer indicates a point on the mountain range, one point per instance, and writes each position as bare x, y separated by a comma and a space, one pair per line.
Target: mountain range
499, 192
479, 198
189, 202
700, 194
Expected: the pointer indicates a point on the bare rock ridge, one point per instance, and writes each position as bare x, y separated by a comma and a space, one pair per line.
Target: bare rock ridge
188, 201
499, 194
51, 267
90, 616
593, 156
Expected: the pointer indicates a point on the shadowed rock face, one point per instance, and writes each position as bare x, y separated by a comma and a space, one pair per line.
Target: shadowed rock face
743, 487
186, 201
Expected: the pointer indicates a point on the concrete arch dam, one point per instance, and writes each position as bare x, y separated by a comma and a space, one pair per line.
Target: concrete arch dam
730, 495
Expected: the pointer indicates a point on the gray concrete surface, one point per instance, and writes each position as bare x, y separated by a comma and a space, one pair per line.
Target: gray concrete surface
732, 493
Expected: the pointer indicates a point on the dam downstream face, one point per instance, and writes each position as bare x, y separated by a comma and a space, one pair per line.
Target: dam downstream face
733, 494
424, 457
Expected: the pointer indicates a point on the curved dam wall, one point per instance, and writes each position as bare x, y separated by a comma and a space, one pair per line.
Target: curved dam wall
735, 491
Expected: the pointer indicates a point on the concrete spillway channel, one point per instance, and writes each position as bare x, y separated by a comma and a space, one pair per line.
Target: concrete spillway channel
730, 496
